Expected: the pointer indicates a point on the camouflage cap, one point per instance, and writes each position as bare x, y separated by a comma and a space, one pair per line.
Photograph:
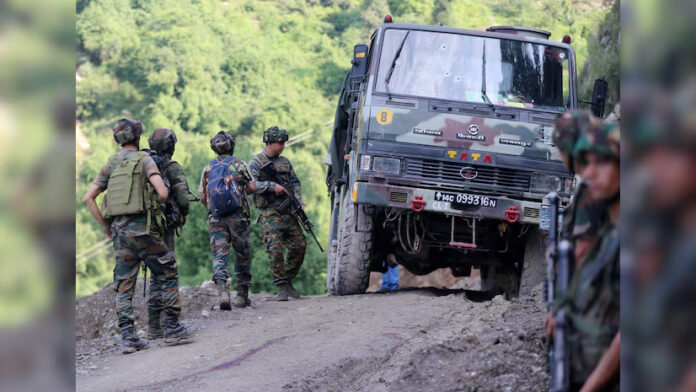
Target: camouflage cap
275, 134
569, 126
602, 138
127, 130
162, 141
223, 142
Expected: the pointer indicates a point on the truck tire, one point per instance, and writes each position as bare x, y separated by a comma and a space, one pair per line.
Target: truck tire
534, 265
355, 239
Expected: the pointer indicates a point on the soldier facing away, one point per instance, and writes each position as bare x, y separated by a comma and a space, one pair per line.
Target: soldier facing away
279, 227
228, 228
176, 208
131, 216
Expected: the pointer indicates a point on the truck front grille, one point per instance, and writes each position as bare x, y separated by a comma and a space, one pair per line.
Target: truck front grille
487, 177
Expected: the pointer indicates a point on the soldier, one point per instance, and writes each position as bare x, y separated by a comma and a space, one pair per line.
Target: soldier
176, 208
229, 230
279, 227
130, 216
581, 219
592, 300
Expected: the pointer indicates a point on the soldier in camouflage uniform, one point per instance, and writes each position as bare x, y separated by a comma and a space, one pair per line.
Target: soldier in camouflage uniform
176, 208
137, 238
581, 219
231, 230
279, 227
592, 300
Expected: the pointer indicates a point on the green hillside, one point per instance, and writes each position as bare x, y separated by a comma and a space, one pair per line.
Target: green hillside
199, 66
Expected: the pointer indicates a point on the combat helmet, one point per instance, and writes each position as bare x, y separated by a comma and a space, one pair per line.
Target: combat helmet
162, 141
127, 130
603, 138
275, 134
223, 142
568, 128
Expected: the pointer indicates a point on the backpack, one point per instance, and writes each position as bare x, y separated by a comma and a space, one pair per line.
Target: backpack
128, 192
170, 209
224, 193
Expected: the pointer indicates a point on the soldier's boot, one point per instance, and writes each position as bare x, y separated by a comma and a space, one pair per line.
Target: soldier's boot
130, 342
292, 292
174, 331
223, 289
154, 326
282, 292
242, 300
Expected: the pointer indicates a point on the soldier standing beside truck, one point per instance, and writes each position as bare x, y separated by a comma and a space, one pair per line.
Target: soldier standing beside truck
280, 228
229, 227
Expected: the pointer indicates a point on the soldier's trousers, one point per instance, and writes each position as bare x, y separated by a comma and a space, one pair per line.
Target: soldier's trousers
282, 231
154, 303
225, 232
130, 251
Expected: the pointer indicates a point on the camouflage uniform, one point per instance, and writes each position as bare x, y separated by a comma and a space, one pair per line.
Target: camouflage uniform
133, 244
231, 230
592, 301
173, 174
280, 229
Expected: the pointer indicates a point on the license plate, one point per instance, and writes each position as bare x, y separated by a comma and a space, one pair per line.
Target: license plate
460, 201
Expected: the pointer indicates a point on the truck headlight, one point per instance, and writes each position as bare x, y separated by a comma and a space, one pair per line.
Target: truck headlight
386, 165
545, 183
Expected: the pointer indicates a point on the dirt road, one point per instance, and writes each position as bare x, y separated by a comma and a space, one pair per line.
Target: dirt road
411, 340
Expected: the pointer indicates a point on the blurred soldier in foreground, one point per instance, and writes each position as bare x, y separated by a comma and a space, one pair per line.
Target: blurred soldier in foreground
162, 143
225, 182
131, 216
279, 227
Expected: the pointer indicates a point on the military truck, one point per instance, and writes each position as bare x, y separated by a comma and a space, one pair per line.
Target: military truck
441, 154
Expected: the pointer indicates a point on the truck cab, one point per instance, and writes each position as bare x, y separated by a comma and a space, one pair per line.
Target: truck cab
442, 154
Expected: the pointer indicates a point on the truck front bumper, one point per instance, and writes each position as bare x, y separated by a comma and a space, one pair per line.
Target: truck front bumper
464, 204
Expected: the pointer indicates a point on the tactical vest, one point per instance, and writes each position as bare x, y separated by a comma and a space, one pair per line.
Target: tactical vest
129, 192
269, 199
170, 208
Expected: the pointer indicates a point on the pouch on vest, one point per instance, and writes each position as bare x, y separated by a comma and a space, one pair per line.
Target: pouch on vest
224, 193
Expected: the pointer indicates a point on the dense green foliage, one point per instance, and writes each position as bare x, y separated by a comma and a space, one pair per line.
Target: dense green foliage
198, 66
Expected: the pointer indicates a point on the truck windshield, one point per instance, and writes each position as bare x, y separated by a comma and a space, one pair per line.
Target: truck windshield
453, 67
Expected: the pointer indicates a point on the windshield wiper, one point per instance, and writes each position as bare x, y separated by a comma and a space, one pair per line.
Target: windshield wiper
483, 77
393, 64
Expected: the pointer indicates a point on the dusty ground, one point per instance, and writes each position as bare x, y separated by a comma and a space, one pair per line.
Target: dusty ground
411, 340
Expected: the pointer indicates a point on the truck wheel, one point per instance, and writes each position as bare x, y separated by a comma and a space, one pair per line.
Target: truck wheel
354, 247
534, 265
500, 280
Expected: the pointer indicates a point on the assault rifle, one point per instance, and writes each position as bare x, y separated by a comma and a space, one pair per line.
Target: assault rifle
291, 201
560, 366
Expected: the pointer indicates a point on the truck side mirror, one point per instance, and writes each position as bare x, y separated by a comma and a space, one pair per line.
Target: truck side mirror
599, 97
359, 69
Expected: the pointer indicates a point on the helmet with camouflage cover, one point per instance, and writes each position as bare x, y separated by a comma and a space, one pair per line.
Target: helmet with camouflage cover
162, 141
568, 128
603, 138
127, 130
223, 142
275, 134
